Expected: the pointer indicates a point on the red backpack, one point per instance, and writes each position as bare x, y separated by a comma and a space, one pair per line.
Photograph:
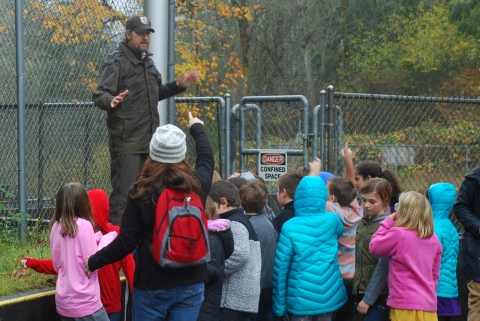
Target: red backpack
180, 234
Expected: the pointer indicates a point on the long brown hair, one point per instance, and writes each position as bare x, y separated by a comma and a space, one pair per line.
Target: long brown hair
156, 176
72, 202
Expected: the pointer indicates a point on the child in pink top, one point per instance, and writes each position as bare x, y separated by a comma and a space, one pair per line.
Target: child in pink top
72, 241
406, 237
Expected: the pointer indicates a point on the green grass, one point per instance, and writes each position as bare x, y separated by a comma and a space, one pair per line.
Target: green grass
13, 277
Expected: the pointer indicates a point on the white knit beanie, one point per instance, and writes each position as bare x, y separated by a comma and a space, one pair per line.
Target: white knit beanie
168, 145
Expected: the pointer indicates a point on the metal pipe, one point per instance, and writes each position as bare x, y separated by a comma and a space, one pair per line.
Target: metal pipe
222, 140
22, 156
339, 169
41, 162
300, 98
171, 59
406, 98
315, 132
242, 129
157, 12
86, 150
331, 129
323, 106
226, 173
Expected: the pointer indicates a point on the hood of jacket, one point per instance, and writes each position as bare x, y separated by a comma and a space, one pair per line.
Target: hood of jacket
101, 209
311, 196
442, 196
221, 228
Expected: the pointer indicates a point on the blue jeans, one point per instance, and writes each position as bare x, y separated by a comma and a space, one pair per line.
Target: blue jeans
99, 315
173, 304
114, 316
374, 314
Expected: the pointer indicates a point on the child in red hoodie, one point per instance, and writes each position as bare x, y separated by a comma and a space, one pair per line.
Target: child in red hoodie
108, 276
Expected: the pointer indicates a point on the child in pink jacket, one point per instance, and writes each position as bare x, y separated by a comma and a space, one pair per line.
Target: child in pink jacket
414, 252
72, 241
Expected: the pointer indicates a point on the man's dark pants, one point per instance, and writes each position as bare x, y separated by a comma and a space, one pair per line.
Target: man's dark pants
124, 170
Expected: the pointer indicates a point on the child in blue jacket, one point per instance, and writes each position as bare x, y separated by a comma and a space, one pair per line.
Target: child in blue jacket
442, 196
307, 281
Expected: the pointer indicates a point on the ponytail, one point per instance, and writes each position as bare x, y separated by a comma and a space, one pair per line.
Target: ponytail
391, 177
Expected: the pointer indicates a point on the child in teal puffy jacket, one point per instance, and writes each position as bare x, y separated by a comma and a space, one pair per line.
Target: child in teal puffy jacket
307, 281
442, 196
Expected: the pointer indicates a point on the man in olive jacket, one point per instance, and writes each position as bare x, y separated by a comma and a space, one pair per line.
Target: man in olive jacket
467, 211
129, 88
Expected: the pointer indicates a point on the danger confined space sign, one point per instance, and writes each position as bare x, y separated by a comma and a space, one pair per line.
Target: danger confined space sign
272, 164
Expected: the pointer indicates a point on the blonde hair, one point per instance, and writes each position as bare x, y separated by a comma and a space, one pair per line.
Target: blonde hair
216, 177
210, 209
415, 214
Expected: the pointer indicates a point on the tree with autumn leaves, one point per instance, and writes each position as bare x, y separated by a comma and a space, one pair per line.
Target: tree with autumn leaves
260, 47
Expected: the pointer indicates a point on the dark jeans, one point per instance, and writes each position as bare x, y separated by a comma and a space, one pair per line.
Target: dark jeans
124, 170
233, 315
264, 306
346, 312
379, 311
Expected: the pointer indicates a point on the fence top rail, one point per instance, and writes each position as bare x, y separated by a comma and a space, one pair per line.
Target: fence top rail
411, 145
247, 99
406, 98
48, 105
217, 99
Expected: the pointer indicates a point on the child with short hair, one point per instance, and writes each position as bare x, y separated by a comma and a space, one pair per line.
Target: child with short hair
220, 238
370, 281
407, 239
253, 197
442, 197
72, 241
342, 201
307, 282
287, 185
241, 286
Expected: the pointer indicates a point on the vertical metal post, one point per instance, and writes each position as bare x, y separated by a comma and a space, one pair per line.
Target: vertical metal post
466, 159
22, 158
323, 107
331, 129
41, 162
305, 131
242, 137
86, 150
171, 59
339, 169
221, 135
227, 172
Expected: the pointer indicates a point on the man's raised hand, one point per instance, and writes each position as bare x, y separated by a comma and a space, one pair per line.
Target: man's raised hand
117, 100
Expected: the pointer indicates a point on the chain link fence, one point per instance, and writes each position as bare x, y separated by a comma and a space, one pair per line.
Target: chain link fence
424, 140
65, 43
268, 123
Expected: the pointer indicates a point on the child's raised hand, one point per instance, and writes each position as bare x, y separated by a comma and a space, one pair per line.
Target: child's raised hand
347, 153
315, 167
193, 120
23, 263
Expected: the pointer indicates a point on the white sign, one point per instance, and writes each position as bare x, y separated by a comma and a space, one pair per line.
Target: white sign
272, 164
